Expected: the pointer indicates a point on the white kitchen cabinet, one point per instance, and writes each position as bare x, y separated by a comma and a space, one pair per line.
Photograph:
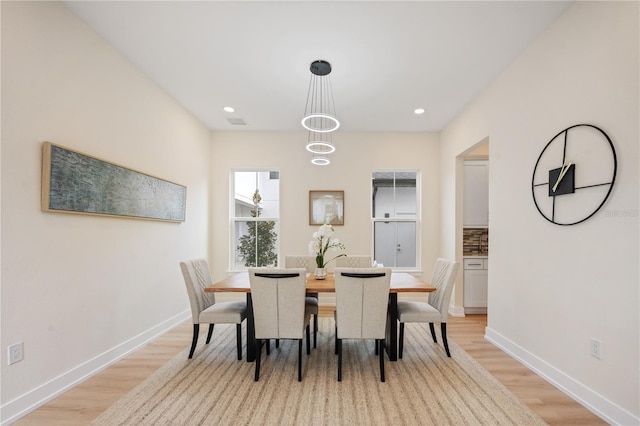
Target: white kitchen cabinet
476, 193
475, 284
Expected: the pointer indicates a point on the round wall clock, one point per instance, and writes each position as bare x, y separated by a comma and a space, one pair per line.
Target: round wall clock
574, 174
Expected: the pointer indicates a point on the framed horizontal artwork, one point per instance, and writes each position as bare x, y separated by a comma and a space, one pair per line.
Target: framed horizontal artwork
326, 207
73, 182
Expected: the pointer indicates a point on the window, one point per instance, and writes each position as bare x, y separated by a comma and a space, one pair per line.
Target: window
255, 207
395, 218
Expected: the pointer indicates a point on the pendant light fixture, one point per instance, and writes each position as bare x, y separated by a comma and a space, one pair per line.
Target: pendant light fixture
320, 111
320, 143
320, 160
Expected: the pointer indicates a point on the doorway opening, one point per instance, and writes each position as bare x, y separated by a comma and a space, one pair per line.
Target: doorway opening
472, 250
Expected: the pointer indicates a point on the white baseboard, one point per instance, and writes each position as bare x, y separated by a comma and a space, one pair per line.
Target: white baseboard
475, 311
599, 405
456, 311
28, 402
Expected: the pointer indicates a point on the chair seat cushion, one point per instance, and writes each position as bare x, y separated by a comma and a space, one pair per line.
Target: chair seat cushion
311, 304
417, 312
224, 313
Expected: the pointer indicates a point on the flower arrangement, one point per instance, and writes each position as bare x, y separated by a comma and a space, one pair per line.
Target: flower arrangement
323, 241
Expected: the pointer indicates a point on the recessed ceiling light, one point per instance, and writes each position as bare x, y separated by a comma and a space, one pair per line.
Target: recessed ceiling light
229, 109
418, 111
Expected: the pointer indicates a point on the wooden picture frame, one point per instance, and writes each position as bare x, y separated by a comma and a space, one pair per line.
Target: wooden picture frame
326, 207
73, 182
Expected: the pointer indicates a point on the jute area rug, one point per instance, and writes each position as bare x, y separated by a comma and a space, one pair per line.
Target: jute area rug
424, 388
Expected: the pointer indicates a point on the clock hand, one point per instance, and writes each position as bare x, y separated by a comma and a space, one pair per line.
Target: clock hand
563, 171
559, 178
569, 164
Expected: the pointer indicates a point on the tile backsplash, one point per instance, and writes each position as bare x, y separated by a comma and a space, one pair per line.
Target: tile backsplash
475, 242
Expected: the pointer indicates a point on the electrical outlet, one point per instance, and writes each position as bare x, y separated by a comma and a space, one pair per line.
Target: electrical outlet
15, 353
596, 348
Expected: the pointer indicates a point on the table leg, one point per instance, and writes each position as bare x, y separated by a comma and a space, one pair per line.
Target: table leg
251, 331
391, 341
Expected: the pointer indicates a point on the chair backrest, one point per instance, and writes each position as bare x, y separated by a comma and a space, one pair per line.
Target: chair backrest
444, 277
307, 262
441, 266
196, 277
278, 297
353, 262
362, 297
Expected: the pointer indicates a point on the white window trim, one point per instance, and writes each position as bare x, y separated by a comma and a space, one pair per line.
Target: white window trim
417, 220
233, 219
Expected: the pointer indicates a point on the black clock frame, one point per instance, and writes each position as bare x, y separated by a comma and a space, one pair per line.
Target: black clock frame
567, 186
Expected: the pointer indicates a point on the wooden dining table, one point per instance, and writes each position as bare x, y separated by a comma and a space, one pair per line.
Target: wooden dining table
401, 282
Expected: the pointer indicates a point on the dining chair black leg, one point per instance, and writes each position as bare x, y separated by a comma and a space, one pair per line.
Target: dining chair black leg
433, 332
268, 343
375, 346
339, 346
209, 333
238, 340
401, 340
443, 329
194, 340
315, 330
308, 340
259, 352
277, 343
381, 342
300, 356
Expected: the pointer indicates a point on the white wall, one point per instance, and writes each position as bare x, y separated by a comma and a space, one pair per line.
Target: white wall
78, 290
356, 156
553, 288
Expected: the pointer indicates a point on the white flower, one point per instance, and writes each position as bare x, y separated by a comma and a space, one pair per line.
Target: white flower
322, 242
324, 232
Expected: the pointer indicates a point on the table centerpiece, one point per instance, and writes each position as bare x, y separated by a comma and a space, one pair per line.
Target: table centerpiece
322, 242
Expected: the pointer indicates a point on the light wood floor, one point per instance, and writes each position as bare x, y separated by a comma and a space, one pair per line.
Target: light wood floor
86, 401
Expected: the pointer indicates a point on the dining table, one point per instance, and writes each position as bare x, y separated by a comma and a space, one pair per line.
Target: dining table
401, 282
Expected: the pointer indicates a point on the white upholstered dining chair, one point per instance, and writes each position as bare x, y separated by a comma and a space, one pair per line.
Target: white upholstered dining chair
204, 309
353, 262
362, 297
306, 262
279, 308
309, 263
435, 309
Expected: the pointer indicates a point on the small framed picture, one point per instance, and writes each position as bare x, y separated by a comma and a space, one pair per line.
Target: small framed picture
326, 207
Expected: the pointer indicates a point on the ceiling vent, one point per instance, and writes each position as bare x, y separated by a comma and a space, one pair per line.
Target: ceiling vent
236, 121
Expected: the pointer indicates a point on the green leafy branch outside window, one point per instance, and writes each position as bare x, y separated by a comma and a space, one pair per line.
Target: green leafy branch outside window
257, 246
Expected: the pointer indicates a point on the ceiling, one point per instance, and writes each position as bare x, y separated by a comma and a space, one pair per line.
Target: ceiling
388, 57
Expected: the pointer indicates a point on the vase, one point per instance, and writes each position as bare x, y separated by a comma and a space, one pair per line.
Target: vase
320, 273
